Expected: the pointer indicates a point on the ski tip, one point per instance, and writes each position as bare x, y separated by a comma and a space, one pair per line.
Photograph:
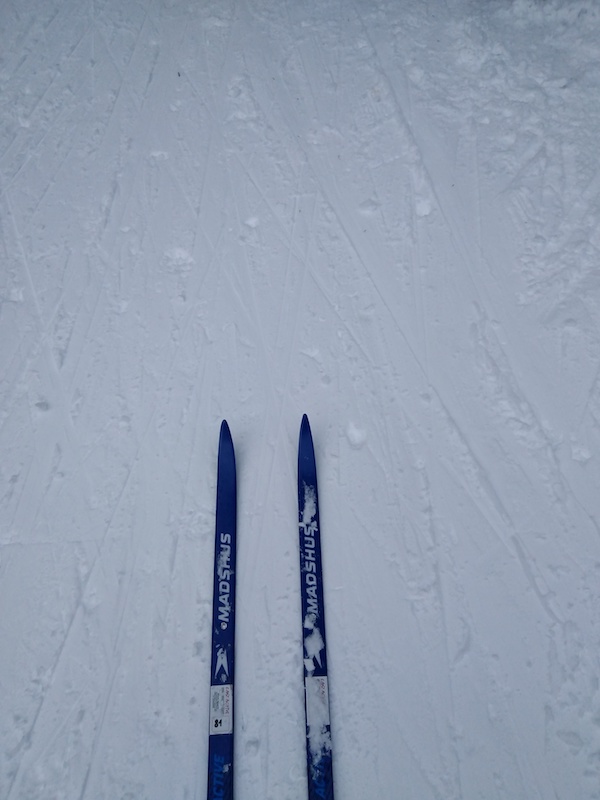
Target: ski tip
226, 455
225, 429
225, 438
305, 438
305, 441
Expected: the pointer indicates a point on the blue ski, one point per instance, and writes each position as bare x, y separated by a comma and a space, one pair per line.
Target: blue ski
220, 740
316, 692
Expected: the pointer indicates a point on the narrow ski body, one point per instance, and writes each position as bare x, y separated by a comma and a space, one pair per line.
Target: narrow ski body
316, 687
220, 740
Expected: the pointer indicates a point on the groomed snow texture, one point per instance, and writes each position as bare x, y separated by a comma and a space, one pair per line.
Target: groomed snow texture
385, 215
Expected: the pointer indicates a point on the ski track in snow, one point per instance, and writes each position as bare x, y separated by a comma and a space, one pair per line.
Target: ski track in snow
384, 217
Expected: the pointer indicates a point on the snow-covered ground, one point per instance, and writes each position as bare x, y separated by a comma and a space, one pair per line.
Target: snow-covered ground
383, 214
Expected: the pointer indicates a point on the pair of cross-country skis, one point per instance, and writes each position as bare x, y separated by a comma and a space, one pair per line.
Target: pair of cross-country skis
318, 730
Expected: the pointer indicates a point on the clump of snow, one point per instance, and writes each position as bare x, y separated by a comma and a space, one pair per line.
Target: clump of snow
355, 435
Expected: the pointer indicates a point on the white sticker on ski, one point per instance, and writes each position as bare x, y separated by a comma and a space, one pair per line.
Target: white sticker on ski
221, 709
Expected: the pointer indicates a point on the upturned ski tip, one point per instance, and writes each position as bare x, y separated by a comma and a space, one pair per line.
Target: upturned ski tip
305, 426
225, 429
226, 449
307, 470
305, 431
225, 437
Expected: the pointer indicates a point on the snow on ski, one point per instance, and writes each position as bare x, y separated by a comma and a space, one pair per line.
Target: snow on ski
318, 729
220, 740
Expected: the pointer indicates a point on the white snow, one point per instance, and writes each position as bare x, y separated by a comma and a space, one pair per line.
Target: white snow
313, 643
317, 717
309, 511
385, 215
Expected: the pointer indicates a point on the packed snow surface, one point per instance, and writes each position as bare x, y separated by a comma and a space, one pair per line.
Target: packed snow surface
383, 214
